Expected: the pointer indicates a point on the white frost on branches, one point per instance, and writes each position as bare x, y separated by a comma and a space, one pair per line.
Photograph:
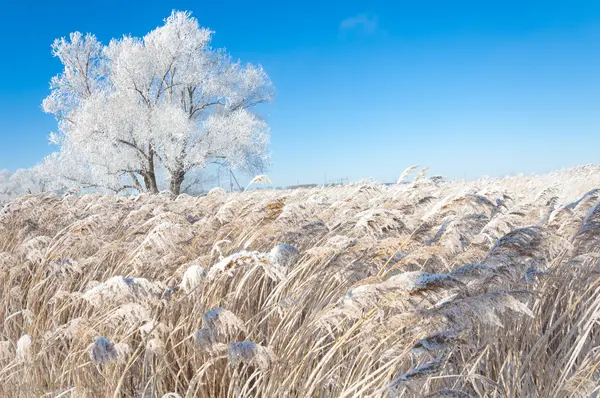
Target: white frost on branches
163, 103
24, 181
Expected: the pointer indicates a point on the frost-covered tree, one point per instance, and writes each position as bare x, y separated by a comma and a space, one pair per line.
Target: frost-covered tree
25, 181
5, 189
164, 102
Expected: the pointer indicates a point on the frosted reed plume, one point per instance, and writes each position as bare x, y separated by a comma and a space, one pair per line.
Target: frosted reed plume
432, 288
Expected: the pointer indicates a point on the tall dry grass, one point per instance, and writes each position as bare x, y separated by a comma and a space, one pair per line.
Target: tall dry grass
487, 288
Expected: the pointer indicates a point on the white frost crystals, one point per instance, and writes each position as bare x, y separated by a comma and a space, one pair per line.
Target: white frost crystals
274, 264
250, 354
120, 289
219, 327
24, 353
192, 278
284, 255
166, 103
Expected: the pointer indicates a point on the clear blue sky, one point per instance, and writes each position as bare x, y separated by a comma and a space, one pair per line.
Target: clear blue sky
364, 88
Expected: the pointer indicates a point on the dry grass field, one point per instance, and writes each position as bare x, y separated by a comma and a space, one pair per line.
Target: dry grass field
486, 288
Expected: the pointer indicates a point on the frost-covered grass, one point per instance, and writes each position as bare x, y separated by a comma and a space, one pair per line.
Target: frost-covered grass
486, 288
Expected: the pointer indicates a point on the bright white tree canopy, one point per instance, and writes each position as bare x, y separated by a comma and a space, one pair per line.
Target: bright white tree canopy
167, 101
23, 181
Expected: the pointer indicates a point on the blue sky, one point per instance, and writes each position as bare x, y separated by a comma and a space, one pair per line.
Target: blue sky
364, 88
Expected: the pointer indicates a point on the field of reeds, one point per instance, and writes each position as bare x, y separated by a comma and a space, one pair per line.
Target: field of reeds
486, 288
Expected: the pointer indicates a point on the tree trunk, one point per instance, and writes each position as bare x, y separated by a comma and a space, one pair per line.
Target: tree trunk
150, 175
150, 182
177, 178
